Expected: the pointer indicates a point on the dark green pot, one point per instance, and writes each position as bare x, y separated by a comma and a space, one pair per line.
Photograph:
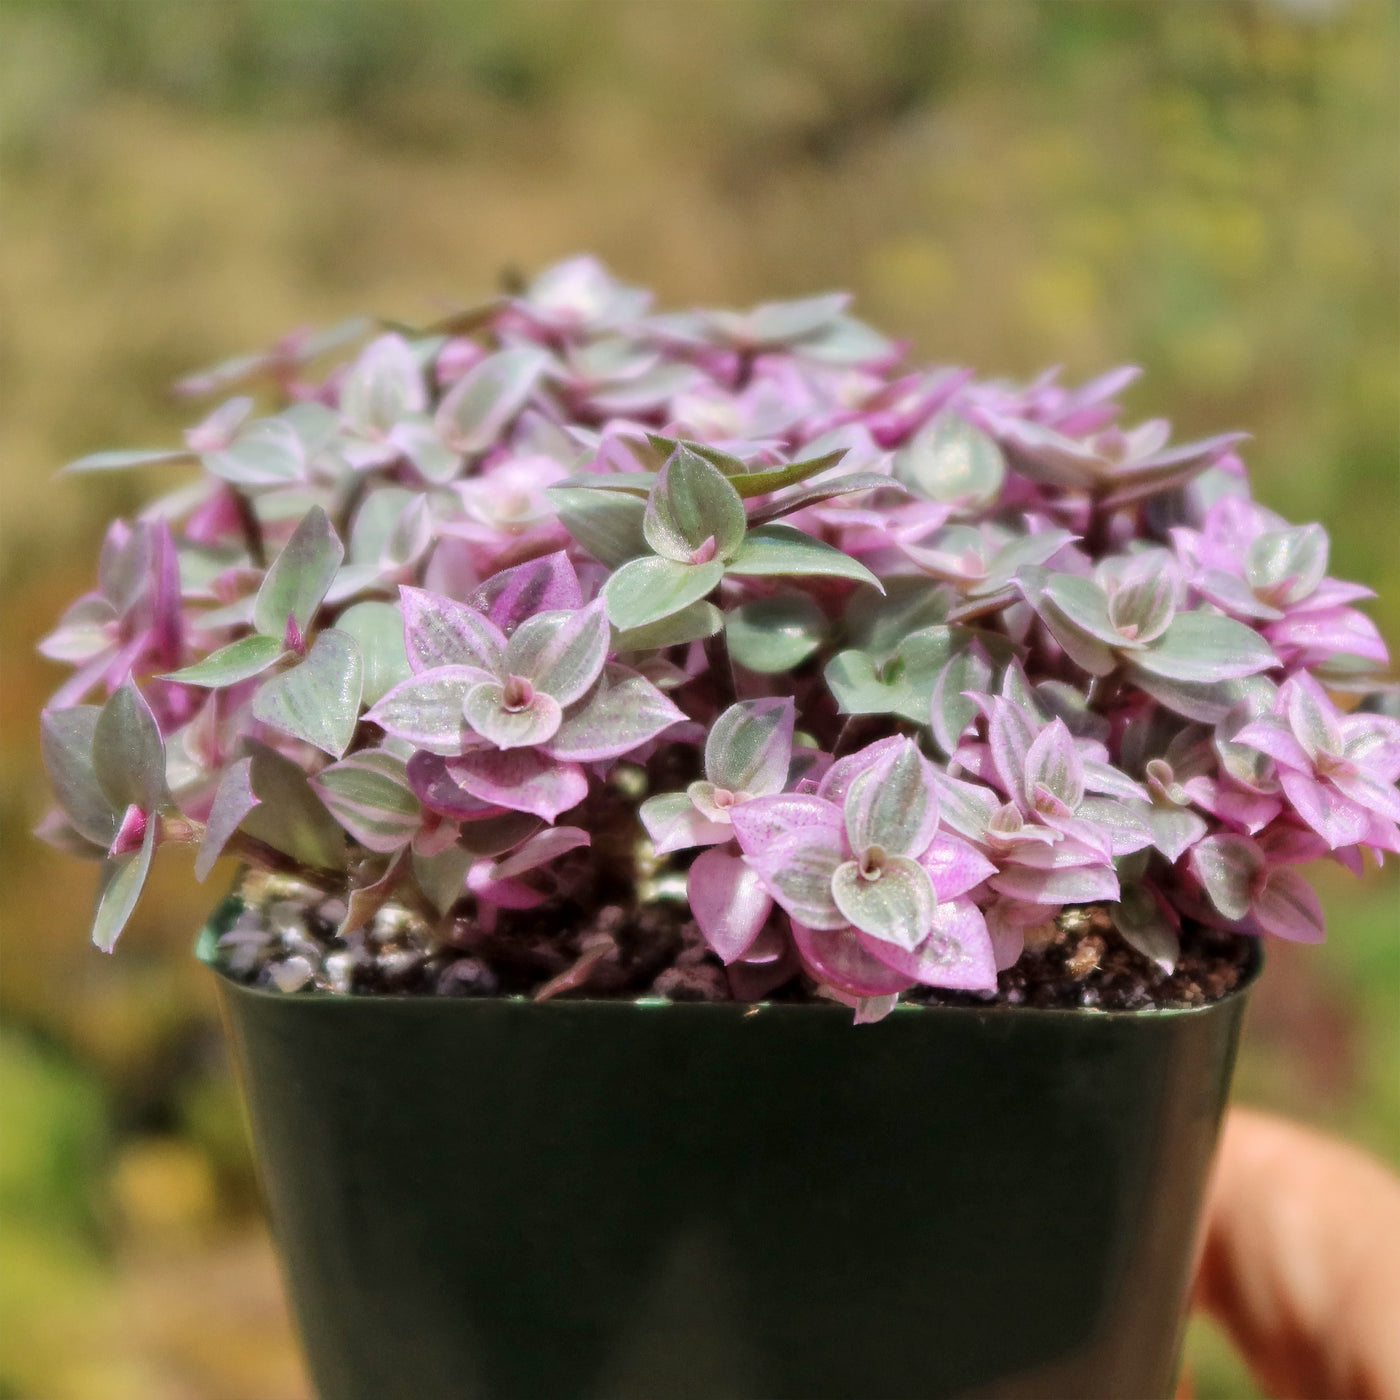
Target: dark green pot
492, 1198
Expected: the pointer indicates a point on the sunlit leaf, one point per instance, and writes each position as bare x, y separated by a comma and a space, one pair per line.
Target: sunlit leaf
317, 701
690, 506
775, 634
378, 631
369, 795
607, 524
646, 590
483, 401
238, 661
782, 550
299, 577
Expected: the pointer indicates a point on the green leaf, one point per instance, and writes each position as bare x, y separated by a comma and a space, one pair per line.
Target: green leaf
1142, 925
637, 484
299, 577
727, 462
691, 624
1228, 867
289, 816
122, 882
561, 652
608, 524
949, 460
268, 453
442, 877
878, 623
238, 661
119, 461
760, 483
782, 550
383, 386
369, 795
128, 753
517, 727
66, 739
1202, 647
949, 710
896, 905
901, 684
647, 590
319, 700
775, 634
847, 485
1287, 565
378, 630
479, 406
690, 504
749, 747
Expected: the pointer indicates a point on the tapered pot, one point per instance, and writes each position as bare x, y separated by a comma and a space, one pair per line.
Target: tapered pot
609, 1199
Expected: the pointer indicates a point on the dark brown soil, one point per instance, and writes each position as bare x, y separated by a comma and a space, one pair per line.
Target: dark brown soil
286, 938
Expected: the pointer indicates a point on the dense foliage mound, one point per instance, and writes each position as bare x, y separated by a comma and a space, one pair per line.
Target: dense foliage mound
560, 598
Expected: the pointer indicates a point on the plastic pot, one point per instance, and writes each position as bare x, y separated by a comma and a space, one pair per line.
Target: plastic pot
494, 1198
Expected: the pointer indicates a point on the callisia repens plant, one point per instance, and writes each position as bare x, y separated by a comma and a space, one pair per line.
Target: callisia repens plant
877, 666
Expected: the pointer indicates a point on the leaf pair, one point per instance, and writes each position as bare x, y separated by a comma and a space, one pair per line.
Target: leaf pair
318, 700
108, 765
695, 524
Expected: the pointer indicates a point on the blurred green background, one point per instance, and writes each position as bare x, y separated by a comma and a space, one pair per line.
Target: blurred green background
1205, 187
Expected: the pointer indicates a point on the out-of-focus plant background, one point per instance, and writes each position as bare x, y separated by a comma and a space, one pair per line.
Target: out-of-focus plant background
1209, 189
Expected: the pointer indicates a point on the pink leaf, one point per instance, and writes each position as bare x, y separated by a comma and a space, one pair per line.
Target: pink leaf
1272, 737
843, 772
728, 901
440, 632
1288, 908
1075, 885
622, 712
1337, 820
1010, 734
954, 867
1053, 762
957, 952
797, 870
547, 584
538, 850
523, 780
765, 820
1311, 716
835, 956
439, 791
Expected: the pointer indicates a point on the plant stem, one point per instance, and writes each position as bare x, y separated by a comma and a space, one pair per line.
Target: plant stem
252, 528
265, 857
721, 670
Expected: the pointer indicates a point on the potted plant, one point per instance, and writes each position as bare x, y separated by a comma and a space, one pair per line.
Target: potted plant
606, 710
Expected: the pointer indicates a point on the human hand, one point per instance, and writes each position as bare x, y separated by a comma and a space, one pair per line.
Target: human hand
1302, 1261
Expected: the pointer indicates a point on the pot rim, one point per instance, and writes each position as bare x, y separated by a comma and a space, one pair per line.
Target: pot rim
739, 1010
